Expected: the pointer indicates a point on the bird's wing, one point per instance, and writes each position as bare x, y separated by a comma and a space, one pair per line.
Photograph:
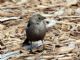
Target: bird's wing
28, 25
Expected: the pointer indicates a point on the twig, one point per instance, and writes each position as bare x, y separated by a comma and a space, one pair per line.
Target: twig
8, 55
52, 15
10, 18
69, 16
3, 13
49, 6
68, 23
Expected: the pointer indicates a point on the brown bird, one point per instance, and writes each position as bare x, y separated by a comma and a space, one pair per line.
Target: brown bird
36, 29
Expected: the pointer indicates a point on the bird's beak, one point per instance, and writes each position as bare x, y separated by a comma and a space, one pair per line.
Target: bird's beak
43, 18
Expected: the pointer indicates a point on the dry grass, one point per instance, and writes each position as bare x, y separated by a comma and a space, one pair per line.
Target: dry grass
64, 37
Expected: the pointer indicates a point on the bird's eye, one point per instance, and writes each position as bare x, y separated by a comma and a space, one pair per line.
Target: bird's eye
39, 18
47, 22
37, 23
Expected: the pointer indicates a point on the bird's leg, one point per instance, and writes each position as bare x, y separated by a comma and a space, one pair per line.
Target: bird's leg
31, 46
43, 44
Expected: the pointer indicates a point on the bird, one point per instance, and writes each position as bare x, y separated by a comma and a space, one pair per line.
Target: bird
36, 29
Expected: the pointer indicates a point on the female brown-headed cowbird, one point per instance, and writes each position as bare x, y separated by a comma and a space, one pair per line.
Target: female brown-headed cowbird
36, 29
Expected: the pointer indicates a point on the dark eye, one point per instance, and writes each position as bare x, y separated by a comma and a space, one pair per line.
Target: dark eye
39, 18
47, 22
37, 23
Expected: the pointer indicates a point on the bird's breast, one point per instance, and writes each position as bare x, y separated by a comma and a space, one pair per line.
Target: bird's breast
39, 29
36, 31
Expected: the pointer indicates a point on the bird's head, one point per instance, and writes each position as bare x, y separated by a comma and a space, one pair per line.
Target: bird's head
37, 18
40, 17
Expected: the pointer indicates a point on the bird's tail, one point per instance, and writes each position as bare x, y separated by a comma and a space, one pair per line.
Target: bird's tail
26, 42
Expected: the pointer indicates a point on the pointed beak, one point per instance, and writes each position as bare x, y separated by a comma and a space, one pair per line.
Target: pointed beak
43, 18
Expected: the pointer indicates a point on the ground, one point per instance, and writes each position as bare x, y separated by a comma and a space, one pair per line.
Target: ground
63, 39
